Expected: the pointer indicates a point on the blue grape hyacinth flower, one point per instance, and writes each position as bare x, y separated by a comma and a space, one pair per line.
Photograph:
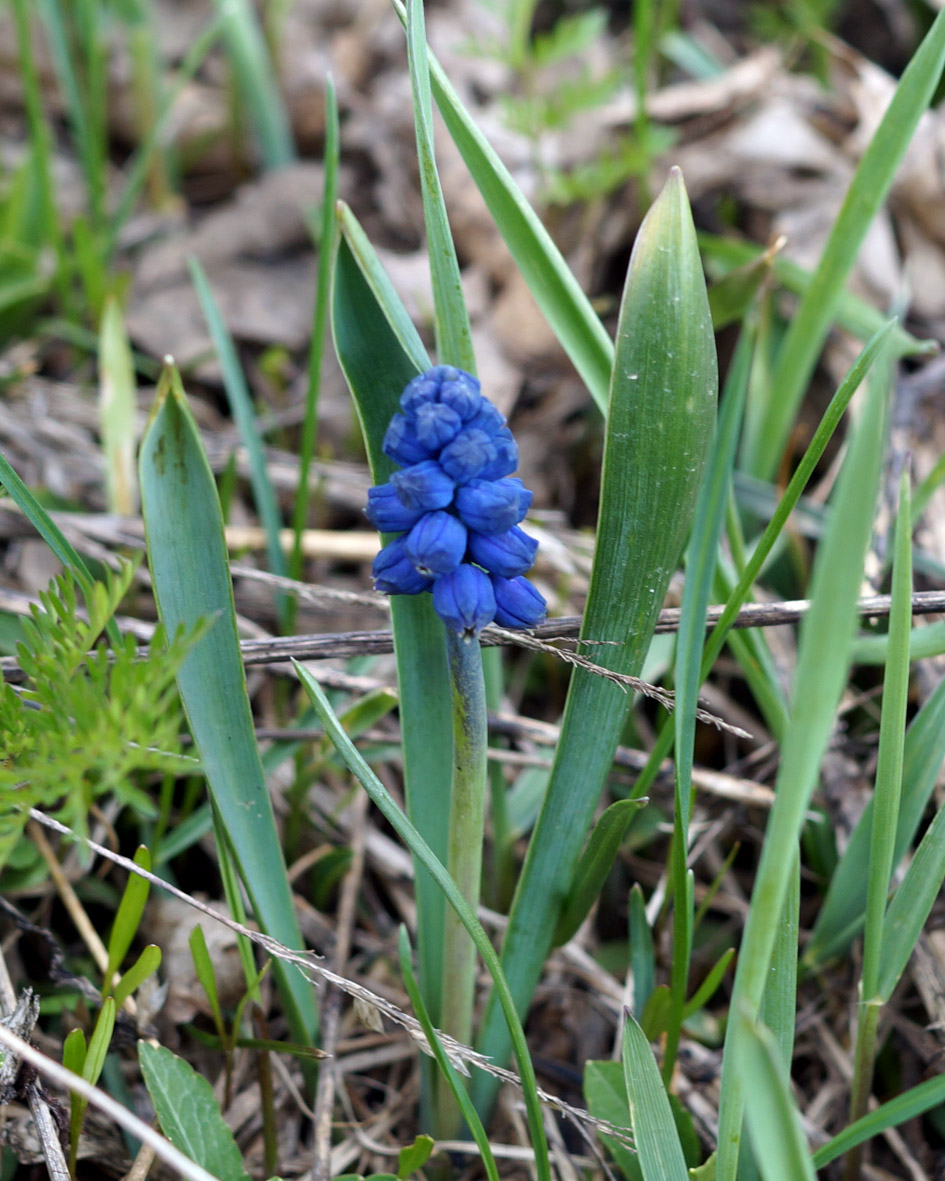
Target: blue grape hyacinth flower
455, 508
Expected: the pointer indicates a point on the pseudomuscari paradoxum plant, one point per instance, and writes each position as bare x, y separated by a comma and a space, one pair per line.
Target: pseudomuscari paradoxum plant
455, 508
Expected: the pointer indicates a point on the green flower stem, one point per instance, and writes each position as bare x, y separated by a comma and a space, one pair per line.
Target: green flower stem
464, 855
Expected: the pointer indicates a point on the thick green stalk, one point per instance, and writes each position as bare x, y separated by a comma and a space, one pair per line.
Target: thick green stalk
464, 854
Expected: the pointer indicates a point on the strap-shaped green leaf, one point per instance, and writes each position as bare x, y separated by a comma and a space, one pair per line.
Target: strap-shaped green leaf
660, 423
190, 570
651, 1117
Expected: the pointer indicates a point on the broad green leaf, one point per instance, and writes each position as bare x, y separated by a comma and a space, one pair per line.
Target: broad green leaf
659, 427
128, 916
871, 182
826, 634
189, 1114
651, 1117
773, 1118
379, 352
190, 571
412, 838
596, 862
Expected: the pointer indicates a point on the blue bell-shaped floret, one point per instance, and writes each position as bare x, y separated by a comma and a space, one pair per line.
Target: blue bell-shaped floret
518, 604
387, 512
402, 443
492, 506
505, 459
506, 554
436, 425
395, 574
464, 600
424, 486
436, 544
468, 455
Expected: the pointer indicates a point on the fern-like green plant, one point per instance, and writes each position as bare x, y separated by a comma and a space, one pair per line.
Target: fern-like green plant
90, 718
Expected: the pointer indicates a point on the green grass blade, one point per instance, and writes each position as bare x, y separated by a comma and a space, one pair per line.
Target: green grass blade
411, 837
897, 1111
886, 797
662, 414
451, 320
241, 407
326, 259
867, 192
555, 289
450, 1073
773, 1119
371, 329
50, 532
823, 658
117, 404
654, 1130
911, 905
852, 313
841, 915
189, 567
256, 81
596, 862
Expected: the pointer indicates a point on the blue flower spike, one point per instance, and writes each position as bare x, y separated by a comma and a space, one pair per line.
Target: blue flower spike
457, 508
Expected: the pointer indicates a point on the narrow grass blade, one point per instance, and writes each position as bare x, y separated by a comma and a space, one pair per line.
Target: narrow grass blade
555, 289
852, 313
773, 1119
841, 915
911, 905
596, 862
128, 915
642, 953
50, 532
886, 796
651, 1117
823, 659
411, 837
450, 1073
241, 407
187, 553
379, 352
256, 81
451, 320
117, 407
707, 525
897, 1111
662, 414
875, 173
605, 1094
326, 261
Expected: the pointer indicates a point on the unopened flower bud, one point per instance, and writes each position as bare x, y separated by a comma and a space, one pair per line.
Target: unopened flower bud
436, 544
395, 574
506, 554
492, 506
424, 486
464, 599
518, 604
387, 512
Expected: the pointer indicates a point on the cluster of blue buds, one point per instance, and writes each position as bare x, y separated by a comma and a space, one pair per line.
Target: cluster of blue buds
456, 508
